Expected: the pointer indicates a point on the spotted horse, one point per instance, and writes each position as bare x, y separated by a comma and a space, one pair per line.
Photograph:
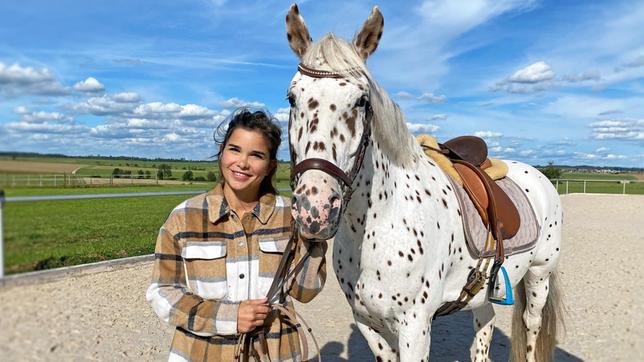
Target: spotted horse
399, 249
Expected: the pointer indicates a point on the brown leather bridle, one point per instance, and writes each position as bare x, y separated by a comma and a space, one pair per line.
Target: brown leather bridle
323, 165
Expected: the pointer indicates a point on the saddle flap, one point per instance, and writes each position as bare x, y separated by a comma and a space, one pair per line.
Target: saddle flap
467, 148
475, 189
506, 211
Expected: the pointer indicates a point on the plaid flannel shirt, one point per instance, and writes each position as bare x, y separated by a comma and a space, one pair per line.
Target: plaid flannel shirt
208, 260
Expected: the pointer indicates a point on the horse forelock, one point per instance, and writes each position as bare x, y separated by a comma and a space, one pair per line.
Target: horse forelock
390, 131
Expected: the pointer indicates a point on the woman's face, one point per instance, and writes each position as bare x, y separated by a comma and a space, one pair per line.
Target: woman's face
245, 161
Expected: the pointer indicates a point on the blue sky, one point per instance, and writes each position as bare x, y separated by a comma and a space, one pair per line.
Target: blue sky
541, 81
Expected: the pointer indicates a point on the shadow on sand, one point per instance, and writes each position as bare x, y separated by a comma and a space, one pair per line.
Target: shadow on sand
451, 340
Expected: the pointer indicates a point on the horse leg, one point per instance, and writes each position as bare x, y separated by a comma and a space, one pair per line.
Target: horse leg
540, 316
415, 337
380, 347
484, 318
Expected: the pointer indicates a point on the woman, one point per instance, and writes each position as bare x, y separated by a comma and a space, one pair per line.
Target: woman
217, 254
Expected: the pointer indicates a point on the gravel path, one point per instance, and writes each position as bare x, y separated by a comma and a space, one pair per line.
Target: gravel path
104, 316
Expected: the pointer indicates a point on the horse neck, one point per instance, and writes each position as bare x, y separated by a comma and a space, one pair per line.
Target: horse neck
382, 180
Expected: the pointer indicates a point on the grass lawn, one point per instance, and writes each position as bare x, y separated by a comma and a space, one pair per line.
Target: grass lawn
50, 234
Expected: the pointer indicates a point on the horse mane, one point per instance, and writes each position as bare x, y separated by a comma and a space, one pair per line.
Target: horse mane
389, 127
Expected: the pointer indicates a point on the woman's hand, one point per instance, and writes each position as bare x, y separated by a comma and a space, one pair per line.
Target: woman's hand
251, 314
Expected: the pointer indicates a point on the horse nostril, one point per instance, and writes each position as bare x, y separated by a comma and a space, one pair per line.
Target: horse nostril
334, 200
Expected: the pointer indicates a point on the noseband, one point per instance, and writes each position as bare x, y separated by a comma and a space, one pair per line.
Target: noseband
323, 165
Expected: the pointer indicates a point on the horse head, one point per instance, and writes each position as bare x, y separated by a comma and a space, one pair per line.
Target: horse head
329, 123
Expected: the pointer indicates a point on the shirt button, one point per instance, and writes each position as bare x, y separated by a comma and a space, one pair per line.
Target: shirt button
241, 276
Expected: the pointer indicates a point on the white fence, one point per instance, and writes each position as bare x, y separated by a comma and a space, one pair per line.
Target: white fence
72, 180
566, 186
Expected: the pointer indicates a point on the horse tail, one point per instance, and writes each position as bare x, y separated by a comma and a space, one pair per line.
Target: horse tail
551, 317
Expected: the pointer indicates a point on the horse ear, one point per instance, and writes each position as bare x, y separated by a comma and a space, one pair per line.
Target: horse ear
366, 41
296, 32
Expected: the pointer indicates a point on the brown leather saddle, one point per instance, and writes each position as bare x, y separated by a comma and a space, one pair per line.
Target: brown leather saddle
469, 156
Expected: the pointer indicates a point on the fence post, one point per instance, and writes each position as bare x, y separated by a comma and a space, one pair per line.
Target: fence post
624, 187
584, 186
566, 187
1, 237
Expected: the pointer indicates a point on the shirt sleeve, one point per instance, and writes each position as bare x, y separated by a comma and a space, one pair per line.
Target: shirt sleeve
309, 281
171, 298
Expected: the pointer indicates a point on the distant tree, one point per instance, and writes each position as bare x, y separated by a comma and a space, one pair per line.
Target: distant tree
140, 173
116, 173
164, 171
187, 176
199, 178
210, 176
148, 174
551, 171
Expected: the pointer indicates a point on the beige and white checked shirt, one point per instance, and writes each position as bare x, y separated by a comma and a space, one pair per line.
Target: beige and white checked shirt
208, 260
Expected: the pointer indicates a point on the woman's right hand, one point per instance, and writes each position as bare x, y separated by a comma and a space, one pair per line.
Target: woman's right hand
252, 314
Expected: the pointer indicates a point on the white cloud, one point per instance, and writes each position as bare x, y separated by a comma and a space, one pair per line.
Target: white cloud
582, 77
404, 95
439, 117
89, 85
44, 127
429, 97
282, 114
194, 111
421, 128
488, 134
126, 97
533, 73
632, 130
21, 110
17, 80
119, 103
172, 137
595, 157
237, 103
533, 78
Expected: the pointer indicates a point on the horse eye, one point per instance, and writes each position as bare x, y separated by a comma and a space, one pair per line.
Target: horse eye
362, 101
291, 100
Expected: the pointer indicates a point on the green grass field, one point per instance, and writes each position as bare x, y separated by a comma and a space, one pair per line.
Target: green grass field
51, 234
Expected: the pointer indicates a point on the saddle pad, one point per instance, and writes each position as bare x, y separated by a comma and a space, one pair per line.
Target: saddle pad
476, 233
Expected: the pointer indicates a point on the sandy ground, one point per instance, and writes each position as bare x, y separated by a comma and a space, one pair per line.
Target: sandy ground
104, 316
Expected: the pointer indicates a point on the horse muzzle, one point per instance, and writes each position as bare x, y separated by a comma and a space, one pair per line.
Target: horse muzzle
317, 217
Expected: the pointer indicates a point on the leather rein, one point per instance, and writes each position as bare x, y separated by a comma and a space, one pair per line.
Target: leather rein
345, 179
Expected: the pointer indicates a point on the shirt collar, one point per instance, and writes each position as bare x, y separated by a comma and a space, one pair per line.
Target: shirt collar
218, 206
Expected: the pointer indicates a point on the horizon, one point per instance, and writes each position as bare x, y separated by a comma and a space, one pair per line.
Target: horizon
134, 158
540, 81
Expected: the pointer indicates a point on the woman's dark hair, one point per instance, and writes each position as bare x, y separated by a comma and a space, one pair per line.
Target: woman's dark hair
259, 121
